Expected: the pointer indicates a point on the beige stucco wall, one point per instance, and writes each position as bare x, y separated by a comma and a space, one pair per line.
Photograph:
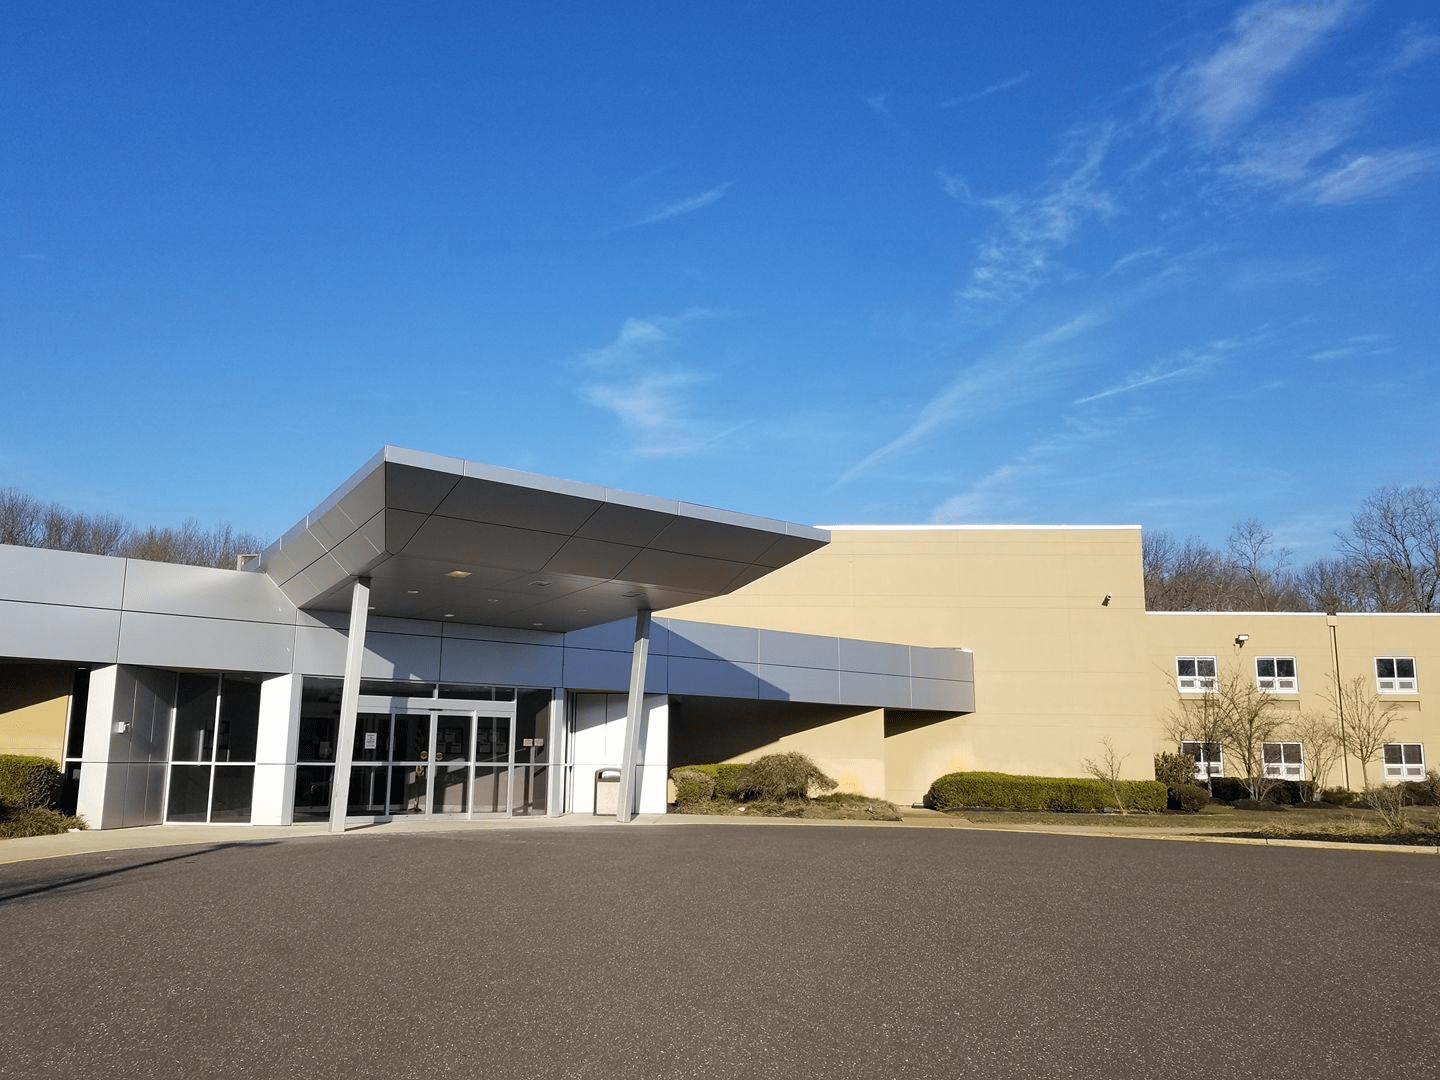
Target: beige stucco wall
1056, 669
34, 702
1357, 641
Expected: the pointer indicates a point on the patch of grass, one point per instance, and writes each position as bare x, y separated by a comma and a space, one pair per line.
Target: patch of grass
35, 821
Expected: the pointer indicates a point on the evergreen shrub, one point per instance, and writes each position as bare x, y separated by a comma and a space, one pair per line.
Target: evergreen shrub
1191, 798
28, 782
1003, 791
692, 786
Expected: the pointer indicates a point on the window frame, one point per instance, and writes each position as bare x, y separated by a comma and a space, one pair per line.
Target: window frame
1206, 766
1280, 684
1396, 683
1402, 769
1282, 769
1196, 683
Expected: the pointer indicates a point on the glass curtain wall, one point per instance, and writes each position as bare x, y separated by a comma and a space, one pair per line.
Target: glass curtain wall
426, 749
212, 752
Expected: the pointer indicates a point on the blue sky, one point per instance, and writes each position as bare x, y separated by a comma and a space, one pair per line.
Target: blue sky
1175, 264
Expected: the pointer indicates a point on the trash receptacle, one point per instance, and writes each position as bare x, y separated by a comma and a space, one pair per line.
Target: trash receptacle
607, 792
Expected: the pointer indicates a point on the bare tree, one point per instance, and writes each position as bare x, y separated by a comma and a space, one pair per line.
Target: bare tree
1332, 585
27, 522
1107, 770
1394, 543
1363, 721
1254, 553
1237, 715
1319, 735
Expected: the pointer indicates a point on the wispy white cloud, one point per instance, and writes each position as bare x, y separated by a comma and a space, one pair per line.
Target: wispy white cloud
998, 380
1005, 493
1223, 90
635, 378
1372, 175
986, 91
1126, 261
1019, 252
876, 104
1355, 347
1415, 44
1185, 362
687, 206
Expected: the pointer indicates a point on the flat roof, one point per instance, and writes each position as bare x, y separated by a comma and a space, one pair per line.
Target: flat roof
441, 537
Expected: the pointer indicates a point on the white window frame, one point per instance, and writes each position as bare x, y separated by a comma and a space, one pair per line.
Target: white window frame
1396, 683
1206, 766
1283, 768
1195, 682
1278, 683
1402, 769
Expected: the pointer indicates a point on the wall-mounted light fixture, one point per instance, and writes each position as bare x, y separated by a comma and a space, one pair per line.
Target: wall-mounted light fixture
1106, 601
1240, 639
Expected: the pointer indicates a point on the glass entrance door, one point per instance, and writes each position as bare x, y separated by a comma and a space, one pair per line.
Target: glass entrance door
432, 757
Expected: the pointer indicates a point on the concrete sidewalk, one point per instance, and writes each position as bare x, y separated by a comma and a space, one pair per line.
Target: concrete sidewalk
87, 842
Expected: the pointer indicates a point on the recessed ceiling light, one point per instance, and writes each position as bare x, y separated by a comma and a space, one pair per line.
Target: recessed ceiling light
458, 573
537, 624
492, 600
412, 592
449, 614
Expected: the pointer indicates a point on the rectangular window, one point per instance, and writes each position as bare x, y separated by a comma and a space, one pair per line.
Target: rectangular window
1395, 674
1209, 758
1276, 673
1285, 760
1404, 761
1195, 673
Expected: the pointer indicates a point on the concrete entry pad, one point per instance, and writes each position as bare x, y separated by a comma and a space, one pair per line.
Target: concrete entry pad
658, 951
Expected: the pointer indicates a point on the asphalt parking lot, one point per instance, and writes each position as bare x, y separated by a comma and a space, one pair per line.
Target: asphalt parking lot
716, 951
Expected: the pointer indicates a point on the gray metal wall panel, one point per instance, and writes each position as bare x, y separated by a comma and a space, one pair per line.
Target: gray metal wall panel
788, 683
942, 663
715, 642
877, 657
471, 632
55, 632
210, 644
169, 589
154, 805
60, 577
713, 678
319, 650
864, 688
799, 650
603, 669
942, 695
502, 663
401, 656
620, 636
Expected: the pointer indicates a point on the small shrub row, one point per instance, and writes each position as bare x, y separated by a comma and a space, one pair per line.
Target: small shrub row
1188, 797
1232, 789
774, 776
1172, 770
35, 821
1002, 791
28, 782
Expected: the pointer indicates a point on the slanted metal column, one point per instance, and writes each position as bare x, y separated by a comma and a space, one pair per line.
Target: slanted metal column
634, 710
349, 702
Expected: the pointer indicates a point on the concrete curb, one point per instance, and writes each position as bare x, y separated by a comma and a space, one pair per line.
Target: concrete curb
88, 842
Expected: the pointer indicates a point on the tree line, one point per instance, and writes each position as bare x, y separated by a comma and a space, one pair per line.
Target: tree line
30, 522
1388, 559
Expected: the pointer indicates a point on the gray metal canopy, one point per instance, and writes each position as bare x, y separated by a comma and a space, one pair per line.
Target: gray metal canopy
443, 538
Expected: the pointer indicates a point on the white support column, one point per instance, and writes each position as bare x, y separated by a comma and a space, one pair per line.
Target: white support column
95, 769
274, 801
349, 702
634, 712
558, 755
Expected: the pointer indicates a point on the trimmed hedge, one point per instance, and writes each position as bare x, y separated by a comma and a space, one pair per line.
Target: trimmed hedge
28, 782
692, 786
1002, 791
1191, 798
726, 777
